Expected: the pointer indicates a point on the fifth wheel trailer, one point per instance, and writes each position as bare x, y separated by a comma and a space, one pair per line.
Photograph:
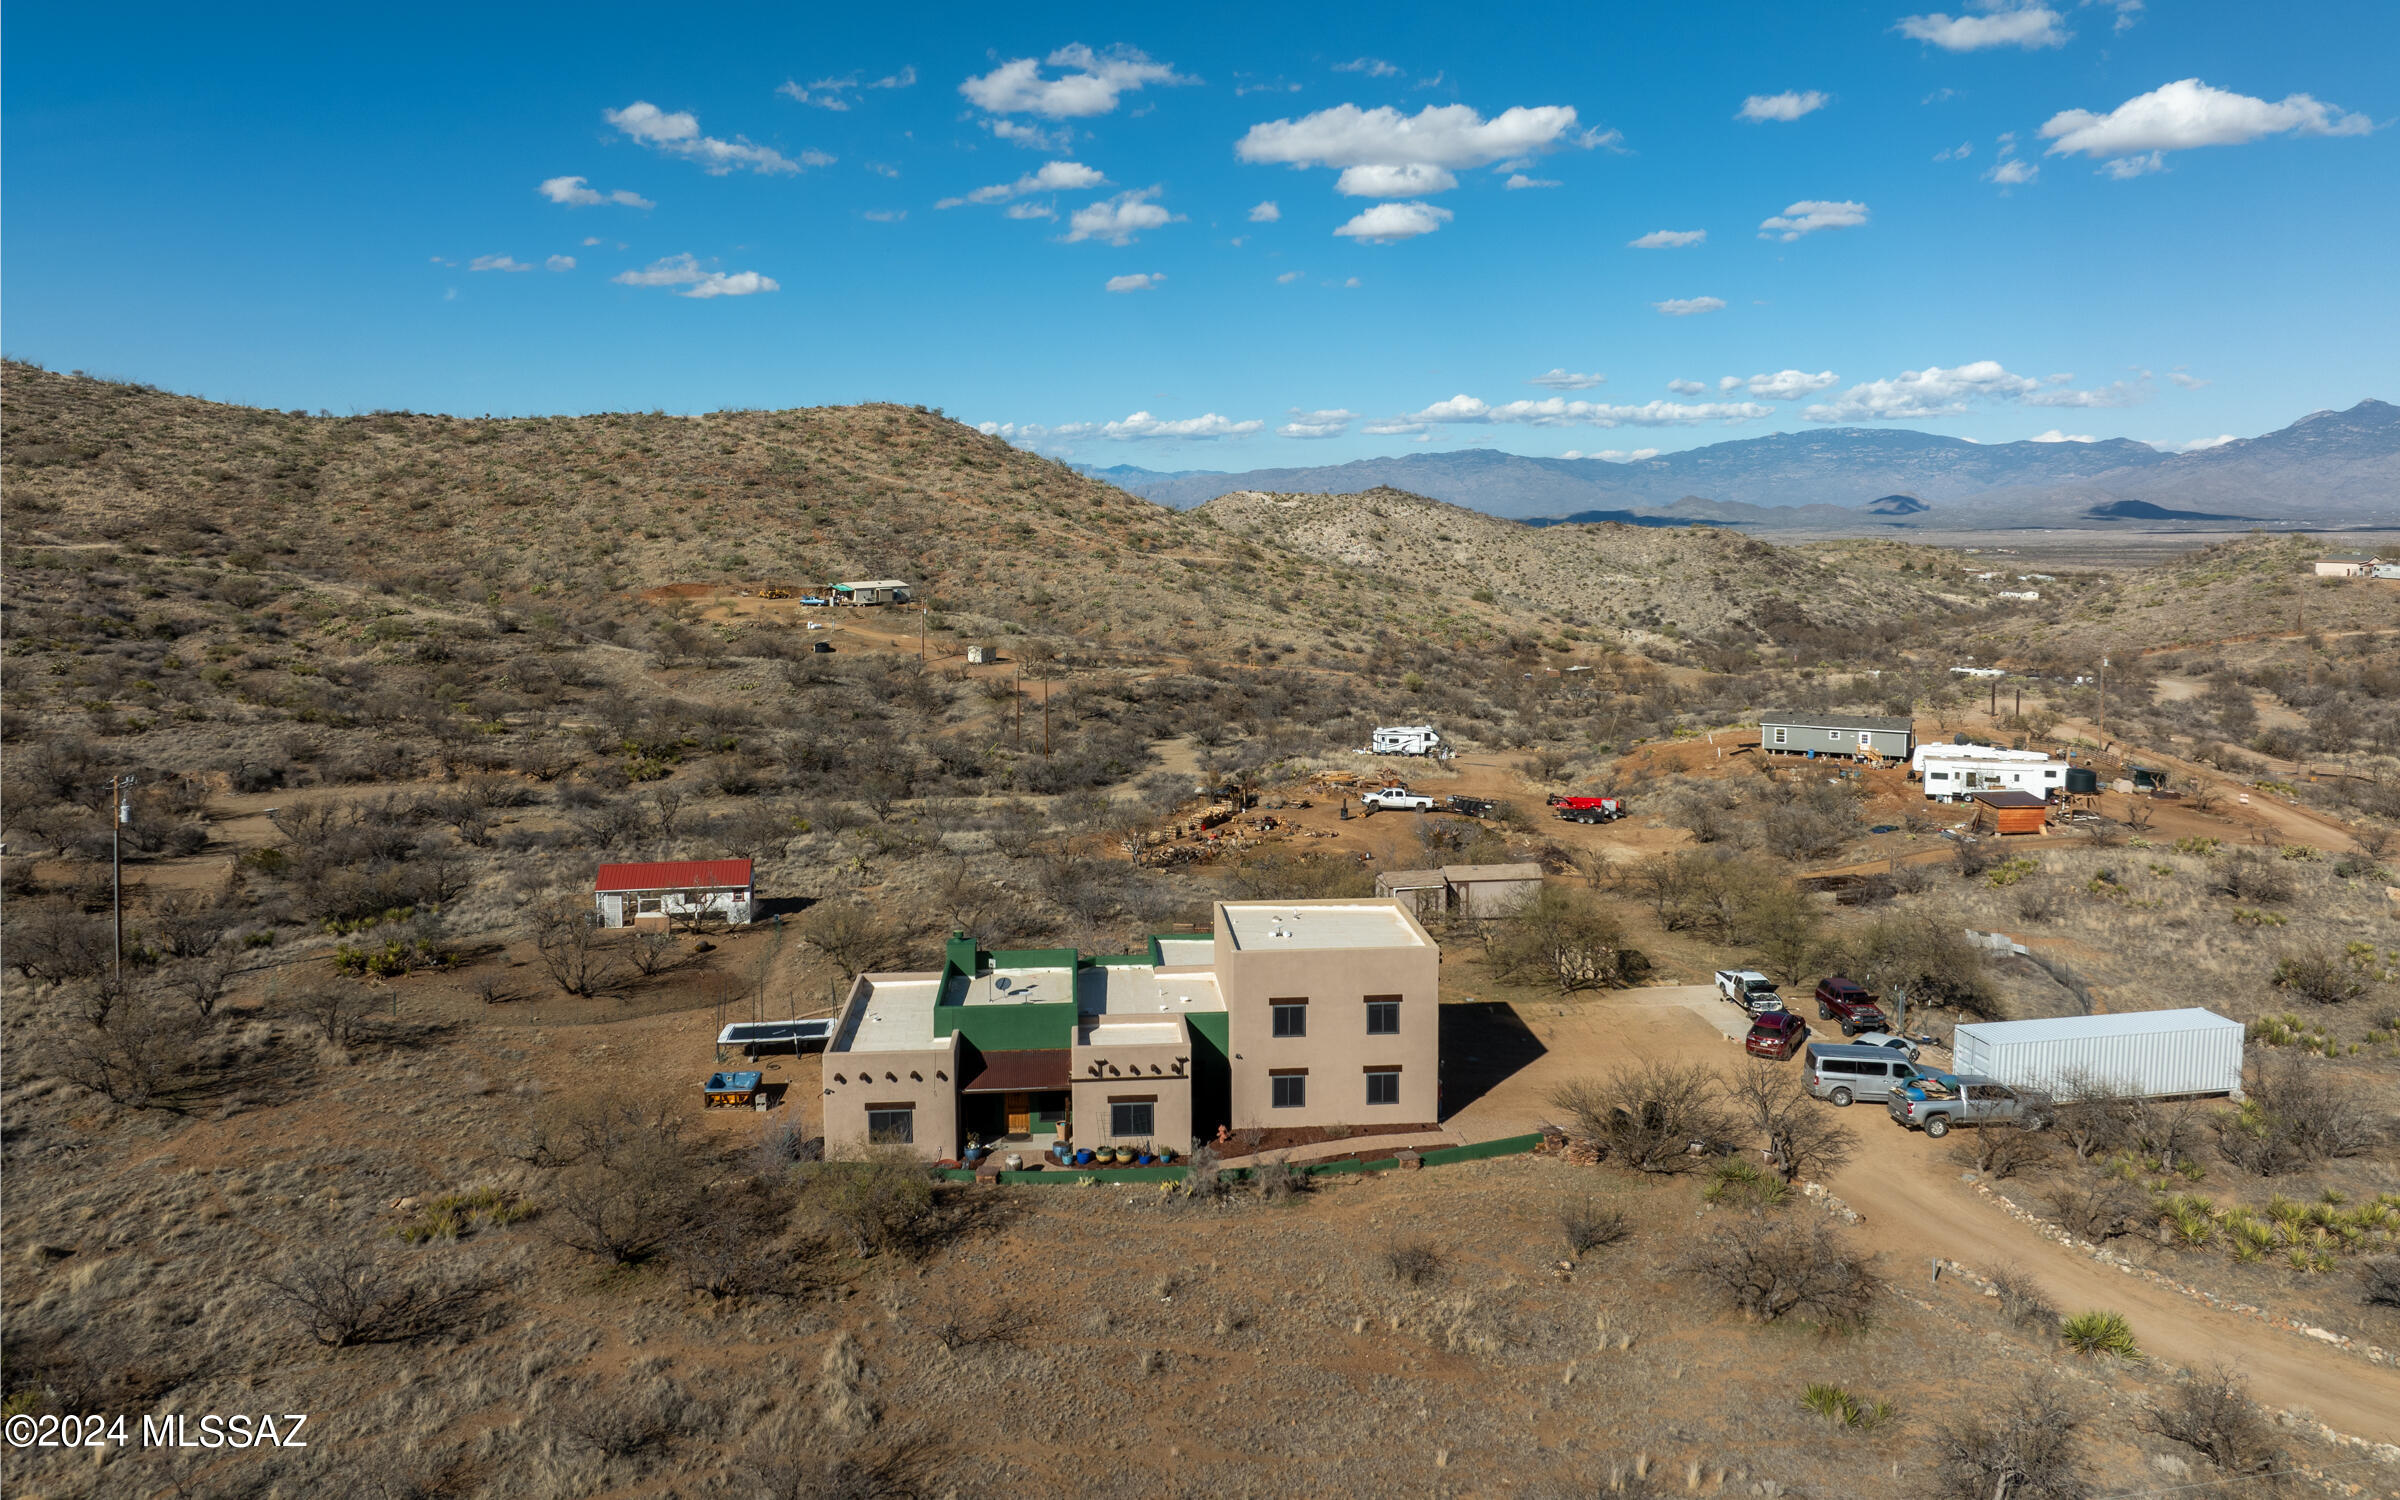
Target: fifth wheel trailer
2149, 1053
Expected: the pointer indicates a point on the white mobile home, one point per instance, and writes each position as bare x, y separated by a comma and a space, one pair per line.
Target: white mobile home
872, 591
1955, 778
1407, 739
1853, 736
1918, 756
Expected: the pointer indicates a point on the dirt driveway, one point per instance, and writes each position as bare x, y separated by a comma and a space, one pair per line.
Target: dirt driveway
1917, 1207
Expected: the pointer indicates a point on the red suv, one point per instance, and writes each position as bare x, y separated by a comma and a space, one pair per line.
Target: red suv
1842, 1000
1776, 1034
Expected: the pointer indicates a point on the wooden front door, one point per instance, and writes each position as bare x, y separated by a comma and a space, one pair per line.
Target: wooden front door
1020, 1113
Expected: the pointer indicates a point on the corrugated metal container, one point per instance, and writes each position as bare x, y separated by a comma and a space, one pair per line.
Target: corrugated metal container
2152, 1053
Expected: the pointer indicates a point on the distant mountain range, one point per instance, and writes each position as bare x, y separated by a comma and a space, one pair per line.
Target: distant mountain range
2327, 469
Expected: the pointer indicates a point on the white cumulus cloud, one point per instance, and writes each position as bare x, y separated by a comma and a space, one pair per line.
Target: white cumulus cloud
2012, 172
1685, 307
1614, 455
1557, 411
1810, 215
1936, 392
1668, 239
1688, 387
1787, 385
1404, 181
1789, 105
1317, 424
2197, 445
1028, 211
1090, 85
1959, 152
2185, 380
1139, 281
1053, 177
1288, 277
1141, 426
1265, 213
884, 215
1517, 181
2003, 25
678, 134
1445, 135
1386, 223
497, 263
2056, 436
834, 93
1563, 379
2186, 114
1031, 137
693, 280
560, 263
1117, 220
574, 192
1373, 67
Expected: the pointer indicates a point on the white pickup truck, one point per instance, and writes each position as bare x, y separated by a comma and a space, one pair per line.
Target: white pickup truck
1749, 989
1397, 799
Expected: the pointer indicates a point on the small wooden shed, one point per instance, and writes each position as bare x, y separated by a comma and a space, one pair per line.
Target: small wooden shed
2010, 812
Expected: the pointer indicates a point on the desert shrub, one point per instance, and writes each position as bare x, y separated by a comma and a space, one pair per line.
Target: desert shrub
2099, 1332
1278, 1180
131, 1045
1650, 1117
1776, 1268
732, 1245
2212, 1413
1841, 1409
1412, 1262
2023, 1446
1588, 1227
885, 1204
2379, 1281
2299, 1112
1929, 958
2252, 877
2097, 1211
337, 1011
2001, 1149
1736, 1182
352, 1295
1203, 1180
2320, 977
566, 934
625, 1420
1803, 1138
1565, 937
2022, 1299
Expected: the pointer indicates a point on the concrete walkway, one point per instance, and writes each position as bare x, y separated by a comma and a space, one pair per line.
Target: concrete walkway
1374, 1145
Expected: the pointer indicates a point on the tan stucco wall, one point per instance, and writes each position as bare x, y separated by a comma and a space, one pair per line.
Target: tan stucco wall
1337, 1050
928, 1080
1494, 898
1128, 1073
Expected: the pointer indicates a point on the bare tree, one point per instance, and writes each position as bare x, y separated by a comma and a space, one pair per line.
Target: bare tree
351, 1295
856, 938
202, 981
567, 935
2212, 1412
338, 1011
1650, 1116
2018, 1446
1803, 1139
1776, 1268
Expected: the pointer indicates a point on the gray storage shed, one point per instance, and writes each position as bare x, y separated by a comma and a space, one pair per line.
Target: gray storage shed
1848, 735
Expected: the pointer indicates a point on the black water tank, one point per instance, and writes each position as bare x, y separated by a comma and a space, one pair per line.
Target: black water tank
2082, 782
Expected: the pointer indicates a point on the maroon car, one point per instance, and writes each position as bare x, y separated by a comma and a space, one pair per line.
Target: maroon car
1776, 1034
1843, 1000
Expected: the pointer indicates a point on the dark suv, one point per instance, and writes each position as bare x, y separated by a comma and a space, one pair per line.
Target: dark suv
1844, 1000
1775, 1034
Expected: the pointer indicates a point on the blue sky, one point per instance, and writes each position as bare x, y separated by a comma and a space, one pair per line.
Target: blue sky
2168, 221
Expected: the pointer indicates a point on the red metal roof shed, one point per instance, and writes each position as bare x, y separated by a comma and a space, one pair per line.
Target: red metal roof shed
676, 875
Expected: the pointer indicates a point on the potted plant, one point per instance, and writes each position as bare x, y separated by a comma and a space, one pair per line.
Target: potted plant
1166, 1155
974, 1149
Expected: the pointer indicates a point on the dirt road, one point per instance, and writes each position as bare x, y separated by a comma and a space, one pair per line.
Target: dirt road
1917, 1207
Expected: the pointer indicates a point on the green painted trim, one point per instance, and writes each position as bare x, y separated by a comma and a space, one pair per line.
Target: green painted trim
1009, 1028
1514, 1145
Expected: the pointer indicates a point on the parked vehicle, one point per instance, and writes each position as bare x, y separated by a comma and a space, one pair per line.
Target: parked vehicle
1842, 1072
1472, 807
1749, 989
1938, 1101
2149, 1053
1775, 1034
1885, 1039
1397, 799
1843, 1000
813, 602
1407, 739
1588, 809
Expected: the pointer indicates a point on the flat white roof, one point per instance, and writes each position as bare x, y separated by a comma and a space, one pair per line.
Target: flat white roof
1187, 950
2123, 1023
1134, 1034
1136, 991
895, 1015
1015, 987
1262, 925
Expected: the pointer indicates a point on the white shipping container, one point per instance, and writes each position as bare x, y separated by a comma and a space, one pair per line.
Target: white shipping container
2149, 1053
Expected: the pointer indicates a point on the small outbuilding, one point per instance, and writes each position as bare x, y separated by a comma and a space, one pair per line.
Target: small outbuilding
1855, 736
872, 591
2010, 812
653, 894
2346, 565
1462, 890
1426, 893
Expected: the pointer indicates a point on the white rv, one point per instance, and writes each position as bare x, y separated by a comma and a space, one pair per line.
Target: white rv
1918, 756
1955, 778
1407, 739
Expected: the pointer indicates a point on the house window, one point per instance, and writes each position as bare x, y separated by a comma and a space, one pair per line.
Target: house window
1291, 1017
649, 906
1291, 1090
1132, 1120
1383, 1015
1780, 735
894, 1125
1833, 734
1383, 1085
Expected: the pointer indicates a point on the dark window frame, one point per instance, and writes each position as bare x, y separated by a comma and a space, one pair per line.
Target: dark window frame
1120, 1110
1380, 1007
1279, 1085
1285, 1014
882, 1136
1377, 1076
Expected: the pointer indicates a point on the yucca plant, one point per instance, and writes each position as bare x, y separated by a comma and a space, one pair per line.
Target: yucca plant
2288, 1215
2252, 1237
2193, 1223
2100, 1333
1841, 1409
2334, 1196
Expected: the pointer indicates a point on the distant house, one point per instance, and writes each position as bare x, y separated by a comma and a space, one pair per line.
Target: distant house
651, 895
1407, 739
872, 591
2346, 565
2388, 571
1850, 735
1466, 890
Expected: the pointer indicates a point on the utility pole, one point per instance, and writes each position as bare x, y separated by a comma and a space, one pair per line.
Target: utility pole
1017, 696
921, 610
2103, 724
1045, 718
120, 809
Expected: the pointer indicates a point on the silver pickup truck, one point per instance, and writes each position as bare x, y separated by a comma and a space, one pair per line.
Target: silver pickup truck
1937, 1101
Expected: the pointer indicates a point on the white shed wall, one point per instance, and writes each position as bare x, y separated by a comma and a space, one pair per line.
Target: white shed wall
2188, 1057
